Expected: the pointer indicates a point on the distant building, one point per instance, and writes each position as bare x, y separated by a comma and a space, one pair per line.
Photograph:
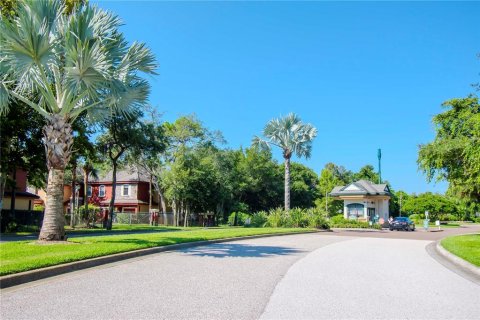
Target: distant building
24, 200
132, 192
364, 200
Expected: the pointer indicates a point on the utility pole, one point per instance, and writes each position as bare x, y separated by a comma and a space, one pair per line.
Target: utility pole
379, 155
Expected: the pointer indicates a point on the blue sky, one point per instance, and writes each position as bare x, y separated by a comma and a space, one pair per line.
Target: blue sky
368, 75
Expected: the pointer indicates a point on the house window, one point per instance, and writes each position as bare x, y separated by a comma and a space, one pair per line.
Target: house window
101, 192
89, 191
126, 190
355, 210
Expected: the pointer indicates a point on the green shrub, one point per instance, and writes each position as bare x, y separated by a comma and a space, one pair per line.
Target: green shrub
448, 217
88, 216
415, 218
297, 218
38, 207
11, 227
317, 219
241, 218
276, 218
259, 219
337, 219
14, 227
340, 222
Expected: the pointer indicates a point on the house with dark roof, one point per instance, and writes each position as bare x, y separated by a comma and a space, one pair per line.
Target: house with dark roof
364, 200
132, 192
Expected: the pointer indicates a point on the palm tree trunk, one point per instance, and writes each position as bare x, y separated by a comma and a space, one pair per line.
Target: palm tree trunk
54, 220
287, 183
58, 148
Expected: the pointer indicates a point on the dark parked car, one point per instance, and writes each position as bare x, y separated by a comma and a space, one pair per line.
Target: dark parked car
402, 223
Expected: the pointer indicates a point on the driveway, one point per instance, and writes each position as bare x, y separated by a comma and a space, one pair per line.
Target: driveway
292, 277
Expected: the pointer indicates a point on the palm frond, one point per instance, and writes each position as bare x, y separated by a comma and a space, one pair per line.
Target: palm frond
71, 63
260, 144
290, 134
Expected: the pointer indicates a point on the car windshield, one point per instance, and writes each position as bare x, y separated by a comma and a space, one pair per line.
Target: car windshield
400, 219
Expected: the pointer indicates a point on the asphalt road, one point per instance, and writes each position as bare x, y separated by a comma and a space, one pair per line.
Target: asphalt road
309, 276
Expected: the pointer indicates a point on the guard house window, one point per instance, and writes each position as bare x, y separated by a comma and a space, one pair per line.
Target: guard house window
126, 190
101, 192
355, 210
89, 191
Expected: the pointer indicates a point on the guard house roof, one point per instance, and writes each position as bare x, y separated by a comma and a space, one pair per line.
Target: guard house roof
361, 187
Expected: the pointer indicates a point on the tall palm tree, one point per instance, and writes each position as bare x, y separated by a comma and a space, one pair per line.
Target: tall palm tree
71, 64
292, 136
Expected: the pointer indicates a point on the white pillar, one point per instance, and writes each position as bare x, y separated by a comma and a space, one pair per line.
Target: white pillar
386, 209
345, 210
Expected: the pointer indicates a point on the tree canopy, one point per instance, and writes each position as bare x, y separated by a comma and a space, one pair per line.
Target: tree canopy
454, 155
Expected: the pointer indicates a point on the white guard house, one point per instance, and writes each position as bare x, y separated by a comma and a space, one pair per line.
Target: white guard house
363, 200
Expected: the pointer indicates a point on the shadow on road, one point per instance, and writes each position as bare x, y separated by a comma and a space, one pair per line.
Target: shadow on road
221, 250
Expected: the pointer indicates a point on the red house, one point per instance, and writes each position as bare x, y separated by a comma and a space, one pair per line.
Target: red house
132, 192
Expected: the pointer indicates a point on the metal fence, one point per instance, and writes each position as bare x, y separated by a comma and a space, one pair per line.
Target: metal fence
95, 218
21, 218
142, 218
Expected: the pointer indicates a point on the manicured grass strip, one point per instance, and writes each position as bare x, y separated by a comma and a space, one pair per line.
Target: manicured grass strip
27, 255
116, 228
466, 247
121, 227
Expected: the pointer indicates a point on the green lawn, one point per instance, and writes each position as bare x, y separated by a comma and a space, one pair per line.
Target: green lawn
121, 227
448, 225
116, 227
466, 247
27, 255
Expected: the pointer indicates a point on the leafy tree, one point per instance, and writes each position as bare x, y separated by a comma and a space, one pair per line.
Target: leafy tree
125, 132
332, 176
62, 66
399, 198
185, 136
304, 182
262, 187
292, 136
149, 153
454, 155
367, 172
21, 148
435, 204
82, 148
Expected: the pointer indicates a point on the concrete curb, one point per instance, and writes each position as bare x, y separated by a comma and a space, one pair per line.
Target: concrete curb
37, 274
459, 262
